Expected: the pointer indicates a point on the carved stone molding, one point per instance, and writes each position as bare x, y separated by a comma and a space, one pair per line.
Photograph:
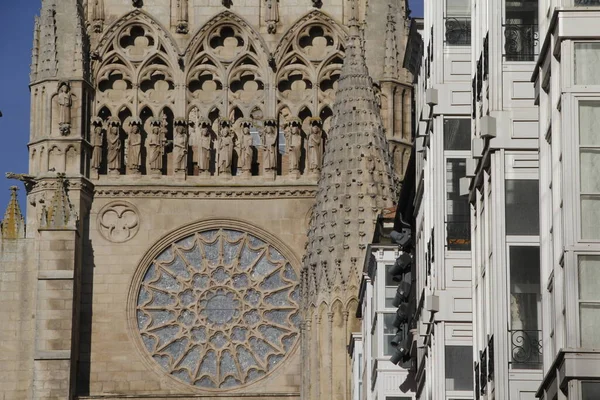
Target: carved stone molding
306, 192
119, 221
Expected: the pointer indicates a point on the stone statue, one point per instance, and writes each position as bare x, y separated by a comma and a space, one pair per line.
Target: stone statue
270, 143
204, 147
96, 141
246, 152
98, 15
225, 148
155, 147
294, 145
182, 16
180, 146
65, 102
272, 15
315, 147
113, 139
134, 145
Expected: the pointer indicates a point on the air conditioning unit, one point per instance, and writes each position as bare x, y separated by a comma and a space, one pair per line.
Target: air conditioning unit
464, 184
488, 127
432, 303
471, 167
431, 97
477, 148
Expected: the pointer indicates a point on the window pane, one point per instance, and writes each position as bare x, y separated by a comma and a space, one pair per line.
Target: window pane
389, 331
456, 8
589, 277
459, 368
458, 223
589, 123
589, 321
525, 294
457, 134
587, 59
590, 215
520, 30
390, 287
589, 160
590, 390
522, 207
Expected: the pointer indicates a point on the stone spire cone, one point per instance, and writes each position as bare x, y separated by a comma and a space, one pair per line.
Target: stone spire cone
356, 184
13, 225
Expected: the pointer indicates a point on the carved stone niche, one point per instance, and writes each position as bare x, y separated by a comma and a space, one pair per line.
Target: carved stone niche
118, 221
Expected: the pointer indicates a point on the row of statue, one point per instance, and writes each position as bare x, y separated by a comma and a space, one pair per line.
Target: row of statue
206, 144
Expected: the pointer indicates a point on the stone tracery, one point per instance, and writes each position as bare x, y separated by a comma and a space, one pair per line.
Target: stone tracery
219, 309
226, 71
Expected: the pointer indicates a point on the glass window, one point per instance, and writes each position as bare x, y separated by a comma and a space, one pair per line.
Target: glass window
521, 30
587, 58
589, 162
389, 331
458, 221
457, 134
522, 207
590, 390
459, 368
525, 307
589, 300
458, 22
390, 287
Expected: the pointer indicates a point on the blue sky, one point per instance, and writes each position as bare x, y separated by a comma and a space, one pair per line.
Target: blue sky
16, 35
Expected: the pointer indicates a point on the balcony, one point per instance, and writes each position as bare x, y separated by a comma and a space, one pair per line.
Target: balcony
458, 31
526, 349
521, 42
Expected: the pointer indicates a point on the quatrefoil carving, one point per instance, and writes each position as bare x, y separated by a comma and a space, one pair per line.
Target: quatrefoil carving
118, 222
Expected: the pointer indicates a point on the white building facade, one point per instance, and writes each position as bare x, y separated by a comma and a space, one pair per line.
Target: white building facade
567, 89
502, 184
442, 233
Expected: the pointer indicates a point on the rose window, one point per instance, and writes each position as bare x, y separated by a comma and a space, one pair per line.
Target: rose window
219, 309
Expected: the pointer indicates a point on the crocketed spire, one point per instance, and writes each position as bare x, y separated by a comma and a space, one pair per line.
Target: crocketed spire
60, 213
13, 225
356, 184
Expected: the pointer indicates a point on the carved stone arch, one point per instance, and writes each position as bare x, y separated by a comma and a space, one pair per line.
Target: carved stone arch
156, 80
247, 84
140, 16
226, 17
313, 17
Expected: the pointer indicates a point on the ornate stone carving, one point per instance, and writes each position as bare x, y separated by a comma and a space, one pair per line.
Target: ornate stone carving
155, 147
134, 146
64, 99
195, 192
270, 146
218, 309
226, 142
137, 3
246, 148
314, 154
97, 139
180, 146
113, 140
119, 221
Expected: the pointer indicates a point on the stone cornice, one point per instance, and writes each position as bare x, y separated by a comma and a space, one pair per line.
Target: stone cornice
193, 191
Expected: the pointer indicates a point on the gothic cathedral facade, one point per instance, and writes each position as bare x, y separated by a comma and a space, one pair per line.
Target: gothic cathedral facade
204, 177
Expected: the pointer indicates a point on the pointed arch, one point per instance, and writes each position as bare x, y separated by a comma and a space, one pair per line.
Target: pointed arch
142, 17
223, 18
313, 17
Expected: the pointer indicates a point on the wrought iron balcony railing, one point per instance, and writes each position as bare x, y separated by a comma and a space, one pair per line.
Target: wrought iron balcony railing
458, 31
458, 235
586, 3
520, 42
526, 349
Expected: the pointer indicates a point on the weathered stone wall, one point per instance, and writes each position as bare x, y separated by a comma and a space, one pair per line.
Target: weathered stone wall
18, 273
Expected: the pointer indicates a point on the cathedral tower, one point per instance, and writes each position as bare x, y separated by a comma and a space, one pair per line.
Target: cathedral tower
177, 149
